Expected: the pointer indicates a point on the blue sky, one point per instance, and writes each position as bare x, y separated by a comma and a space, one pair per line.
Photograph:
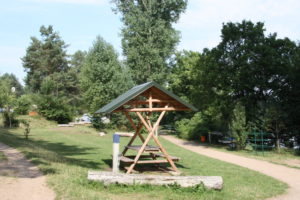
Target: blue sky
80, 21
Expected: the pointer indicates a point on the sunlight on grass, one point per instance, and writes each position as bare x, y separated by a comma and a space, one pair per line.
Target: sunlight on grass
66, 155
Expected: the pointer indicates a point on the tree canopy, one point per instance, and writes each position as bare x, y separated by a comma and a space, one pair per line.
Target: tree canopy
102, 76
148, 37
44, 57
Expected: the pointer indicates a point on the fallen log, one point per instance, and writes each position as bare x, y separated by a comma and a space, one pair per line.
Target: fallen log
209, 182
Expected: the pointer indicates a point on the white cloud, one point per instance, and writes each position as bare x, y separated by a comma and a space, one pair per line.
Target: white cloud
202, 22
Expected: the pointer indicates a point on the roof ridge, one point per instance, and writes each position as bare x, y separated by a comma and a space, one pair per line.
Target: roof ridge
134, 92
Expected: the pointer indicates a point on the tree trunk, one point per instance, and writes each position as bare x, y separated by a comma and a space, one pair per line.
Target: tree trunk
9, 117
277, 138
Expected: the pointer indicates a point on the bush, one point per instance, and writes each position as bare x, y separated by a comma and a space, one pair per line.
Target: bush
192, 129
23, 105
26, 124
9, 119
238, 127
54, 108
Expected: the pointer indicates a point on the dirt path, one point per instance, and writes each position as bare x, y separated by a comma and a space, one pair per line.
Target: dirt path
20, 179
288, 175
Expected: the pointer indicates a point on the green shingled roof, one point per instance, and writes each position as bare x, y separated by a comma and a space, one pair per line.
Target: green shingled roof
134, 92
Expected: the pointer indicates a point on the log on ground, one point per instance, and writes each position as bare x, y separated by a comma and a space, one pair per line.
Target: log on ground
209, 182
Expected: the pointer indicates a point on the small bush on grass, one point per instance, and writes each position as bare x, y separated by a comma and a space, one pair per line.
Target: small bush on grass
23, 105
54, 108
238, 127
26, 127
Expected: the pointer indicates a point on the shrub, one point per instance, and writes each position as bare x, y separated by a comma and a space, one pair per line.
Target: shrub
238, 127
9, 119
23, 105
54, 108
27, 127
192, 128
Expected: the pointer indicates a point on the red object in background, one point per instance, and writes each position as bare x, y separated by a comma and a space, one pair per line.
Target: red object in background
32, 113
202, 138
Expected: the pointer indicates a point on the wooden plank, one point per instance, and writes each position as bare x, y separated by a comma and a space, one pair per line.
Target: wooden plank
147, 148
162, 155
209, 182
154, 109
151, 161
142, 156
126, 159
156, 155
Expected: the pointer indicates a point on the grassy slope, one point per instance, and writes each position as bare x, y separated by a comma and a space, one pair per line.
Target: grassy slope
2, 156
66, 154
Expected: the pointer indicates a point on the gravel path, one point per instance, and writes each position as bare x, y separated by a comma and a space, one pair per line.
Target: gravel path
20, 179
288, 175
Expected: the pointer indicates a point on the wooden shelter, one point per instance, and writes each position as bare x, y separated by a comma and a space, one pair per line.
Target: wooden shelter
143, 100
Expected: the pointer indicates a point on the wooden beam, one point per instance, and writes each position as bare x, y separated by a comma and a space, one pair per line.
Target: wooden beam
134, 126
150, 102
143, 121
147, 139
153, 109
158, 143
130, 120
139, 128
148, 119
153, 101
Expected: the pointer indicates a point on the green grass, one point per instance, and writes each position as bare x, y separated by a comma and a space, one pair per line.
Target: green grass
66, 155
2, 156
286, 157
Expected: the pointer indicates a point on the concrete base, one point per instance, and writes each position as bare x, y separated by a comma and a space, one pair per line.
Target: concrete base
210, 182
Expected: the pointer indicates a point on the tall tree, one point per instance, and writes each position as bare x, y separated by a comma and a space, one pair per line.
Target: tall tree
259, 72
77, 60
7, 102
102, 77
148, 37
242, 65
44, 57
13, 81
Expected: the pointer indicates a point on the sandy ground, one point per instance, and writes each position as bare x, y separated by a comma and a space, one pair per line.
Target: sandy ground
20, 179
288, 175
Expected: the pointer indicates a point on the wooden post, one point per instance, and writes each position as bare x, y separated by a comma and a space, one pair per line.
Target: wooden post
150, 101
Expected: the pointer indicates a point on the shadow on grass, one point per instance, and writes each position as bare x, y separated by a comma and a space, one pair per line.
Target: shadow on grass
145, 168
44, 153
